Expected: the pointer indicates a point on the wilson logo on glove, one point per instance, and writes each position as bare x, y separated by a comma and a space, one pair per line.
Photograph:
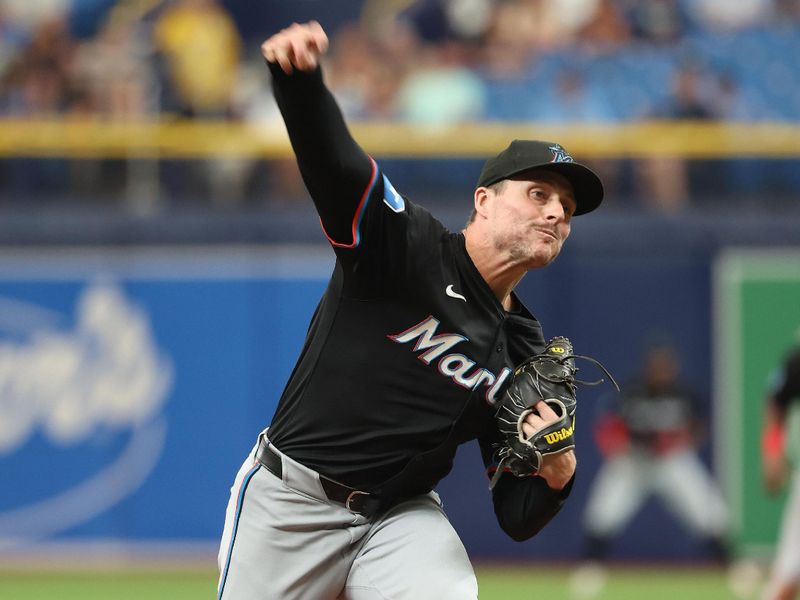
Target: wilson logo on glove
548, 378
558, 436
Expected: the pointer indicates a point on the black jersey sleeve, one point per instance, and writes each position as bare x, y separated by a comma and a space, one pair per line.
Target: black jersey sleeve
340, 177
523, 505
785, 384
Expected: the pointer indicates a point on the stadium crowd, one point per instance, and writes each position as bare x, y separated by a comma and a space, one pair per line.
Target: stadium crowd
426, 62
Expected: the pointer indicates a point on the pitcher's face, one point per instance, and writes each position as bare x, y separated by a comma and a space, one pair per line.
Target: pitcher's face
530, 216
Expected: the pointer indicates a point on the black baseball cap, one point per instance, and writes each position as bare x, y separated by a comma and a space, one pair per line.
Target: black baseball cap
523, 155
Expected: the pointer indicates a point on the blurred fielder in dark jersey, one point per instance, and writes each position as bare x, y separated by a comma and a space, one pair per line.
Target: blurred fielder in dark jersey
782, 399
650, 446
405, 357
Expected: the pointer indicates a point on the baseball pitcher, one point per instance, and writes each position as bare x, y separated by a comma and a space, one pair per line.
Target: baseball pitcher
418, 344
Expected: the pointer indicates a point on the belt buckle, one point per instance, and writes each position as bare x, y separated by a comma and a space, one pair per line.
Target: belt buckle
351, 497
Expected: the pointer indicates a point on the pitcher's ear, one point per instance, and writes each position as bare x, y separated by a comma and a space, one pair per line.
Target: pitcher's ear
481, 199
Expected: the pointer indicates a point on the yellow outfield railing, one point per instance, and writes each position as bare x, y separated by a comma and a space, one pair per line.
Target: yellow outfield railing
198, 139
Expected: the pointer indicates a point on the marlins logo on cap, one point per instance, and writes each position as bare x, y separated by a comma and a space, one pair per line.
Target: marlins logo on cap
559, 154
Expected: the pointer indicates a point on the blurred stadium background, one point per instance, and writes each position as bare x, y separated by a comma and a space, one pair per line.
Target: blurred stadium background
159, 258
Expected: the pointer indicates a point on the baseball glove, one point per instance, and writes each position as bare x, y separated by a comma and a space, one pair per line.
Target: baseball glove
549, 376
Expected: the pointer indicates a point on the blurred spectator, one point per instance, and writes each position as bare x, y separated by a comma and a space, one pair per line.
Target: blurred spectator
468, 19
561, 20
516, 24
606, 28
39, 80
366, 88
723, 14
256, 181
443, 90
38, 83
349, 73
570, 101
200, 47
504, 59
729, 102
29, 15
13, 37
689, 98
662, 183
114, 68
786, 11
656, 21
437, 21
665, 180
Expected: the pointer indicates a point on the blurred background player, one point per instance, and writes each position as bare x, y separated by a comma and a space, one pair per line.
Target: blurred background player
783, 396
649, 441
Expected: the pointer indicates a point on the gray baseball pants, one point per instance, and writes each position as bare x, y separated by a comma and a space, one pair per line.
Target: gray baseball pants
680, 479
284, 539
786, 564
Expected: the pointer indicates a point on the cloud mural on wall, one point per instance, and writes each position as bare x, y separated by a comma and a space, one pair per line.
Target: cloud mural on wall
103, 371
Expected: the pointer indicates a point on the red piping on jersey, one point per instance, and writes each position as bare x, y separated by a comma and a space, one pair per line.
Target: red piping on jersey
359, 212
493, 469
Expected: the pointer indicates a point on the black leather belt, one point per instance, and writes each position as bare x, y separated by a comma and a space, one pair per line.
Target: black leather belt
356, 501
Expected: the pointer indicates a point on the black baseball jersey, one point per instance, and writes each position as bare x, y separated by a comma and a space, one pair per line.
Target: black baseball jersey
649, 413
786, 381
409, 347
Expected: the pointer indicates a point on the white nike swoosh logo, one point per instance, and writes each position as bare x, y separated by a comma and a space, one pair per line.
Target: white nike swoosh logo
449, 291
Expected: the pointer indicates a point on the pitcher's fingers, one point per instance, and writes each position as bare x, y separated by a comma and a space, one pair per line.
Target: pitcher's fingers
304, 52
276, 50
267, 52
283, 58
531, 424
528, 429
270, 47
542, 416
318, 36
546, 411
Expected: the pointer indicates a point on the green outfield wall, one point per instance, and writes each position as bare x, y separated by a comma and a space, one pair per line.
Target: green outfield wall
757, 317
